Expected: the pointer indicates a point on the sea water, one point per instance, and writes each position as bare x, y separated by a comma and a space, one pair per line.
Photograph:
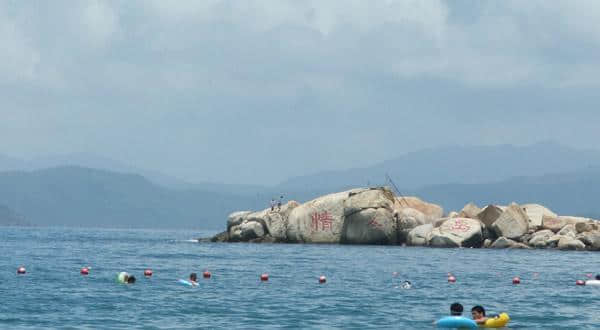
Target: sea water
362, 289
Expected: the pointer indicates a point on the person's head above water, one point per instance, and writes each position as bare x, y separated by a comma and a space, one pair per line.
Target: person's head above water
193, 277
456, 309
477, 312
131, 279
598, 277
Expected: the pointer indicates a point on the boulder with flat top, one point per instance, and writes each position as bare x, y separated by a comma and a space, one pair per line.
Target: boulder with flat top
512, 223
457, 232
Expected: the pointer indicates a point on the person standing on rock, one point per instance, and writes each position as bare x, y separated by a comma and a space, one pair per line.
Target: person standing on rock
279, 203
273, 204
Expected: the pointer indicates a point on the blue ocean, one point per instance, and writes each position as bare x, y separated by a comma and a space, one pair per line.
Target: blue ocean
362, 289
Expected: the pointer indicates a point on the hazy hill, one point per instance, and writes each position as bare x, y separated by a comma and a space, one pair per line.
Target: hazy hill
9, 218
444, 165
574, 193
76, 196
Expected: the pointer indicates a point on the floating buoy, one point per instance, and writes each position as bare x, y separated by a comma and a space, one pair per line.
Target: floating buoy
21, 270
84, 271
451, 279
516, 280
206, 274
579, 282
148, 272
395, 274
264, 277
322, 279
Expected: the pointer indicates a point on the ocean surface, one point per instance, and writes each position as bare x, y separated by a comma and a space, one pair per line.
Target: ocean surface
361, 290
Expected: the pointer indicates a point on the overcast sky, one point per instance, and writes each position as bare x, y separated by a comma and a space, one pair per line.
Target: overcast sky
257, 91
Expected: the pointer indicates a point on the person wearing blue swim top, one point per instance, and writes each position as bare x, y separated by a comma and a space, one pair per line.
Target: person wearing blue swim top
456, 309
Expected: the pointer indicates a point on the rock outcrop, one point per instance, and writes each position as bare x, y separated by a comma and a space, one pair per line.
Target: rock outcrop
377, 216
512, 223
457, 232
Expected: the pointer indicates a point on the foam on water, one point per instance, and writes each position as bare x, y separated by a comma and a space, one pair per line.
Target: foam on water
361, 291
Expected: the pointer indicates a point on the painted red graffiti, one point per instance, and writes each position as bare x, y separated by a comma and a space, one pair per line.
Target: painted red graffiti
324, 219
374, 224
460, 225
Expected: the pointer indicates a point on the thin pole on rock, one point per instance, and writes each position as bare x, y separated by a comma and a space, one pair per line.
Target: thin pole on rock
396, 188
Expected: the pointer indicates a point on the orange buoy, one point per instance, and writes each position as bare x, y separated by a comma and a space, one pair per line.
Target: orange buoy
206, 274
84, 271
148, 272
264, 277
451, 279
579, 282
516, 280
21, 270
322, 279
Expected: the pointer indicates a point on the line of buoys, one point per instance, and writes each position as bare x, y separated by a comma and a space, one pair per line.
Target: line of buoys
516, 280
264, 277
21, 270
206, 274
148, 272
84, 271
322, 279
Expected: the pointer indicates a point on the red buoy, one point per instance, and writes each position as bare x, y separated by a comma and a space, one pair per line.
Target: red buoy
322, 279
589, 275
516, 280
84, 271
21, 270
451, 279
148, 272
264, 277
206, 274
579, 282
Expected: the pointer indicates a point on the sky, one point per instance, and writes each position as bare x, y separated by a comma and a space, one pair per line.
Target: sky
259, 91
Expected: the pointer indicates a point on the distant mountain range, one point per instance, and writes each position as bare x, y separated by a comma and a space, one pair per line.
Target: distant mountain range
85, 190
8, 217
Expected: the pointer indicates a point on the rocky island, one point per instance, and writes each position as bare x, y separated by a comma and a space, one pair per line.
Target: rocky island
378, 216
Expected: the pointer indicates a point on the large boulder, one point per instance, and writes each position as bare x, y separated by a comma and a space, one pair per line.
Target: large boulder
250, 230
568, 230
535, 213
469, 211
503, 243
540, 238
236, 218
276, 221
419, 236
429, 210
554, 223
581, 227
570, 243
457, 232
489, 215
358, 216
407, 219
512, 223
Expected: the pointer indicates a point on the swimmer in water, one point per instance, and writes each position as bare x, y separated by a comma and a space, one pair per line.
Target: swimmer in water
193, 279
478, 314
406, 285
456, 309
598, 277
124, 277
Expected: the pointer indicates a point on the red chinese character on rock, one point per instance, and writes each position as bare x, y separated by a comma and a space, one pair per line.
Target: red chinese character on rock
374, 224
324, 219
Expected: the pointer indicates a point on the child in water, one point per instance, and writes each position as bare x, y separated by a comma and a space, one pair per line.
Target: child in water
478, 314
125, 278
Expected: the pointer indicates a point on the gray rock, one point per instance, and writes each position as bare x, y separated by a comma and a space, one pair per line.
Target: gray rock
570, 243
220, 237
554, 223
581, 227
539, 239
512, 223
469, 211
236, 218
419, 236
457, 232
489, 214
487, 243
568, 230
503, 243
535, 213
430, 211
251, 230
591, 239
370, 226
